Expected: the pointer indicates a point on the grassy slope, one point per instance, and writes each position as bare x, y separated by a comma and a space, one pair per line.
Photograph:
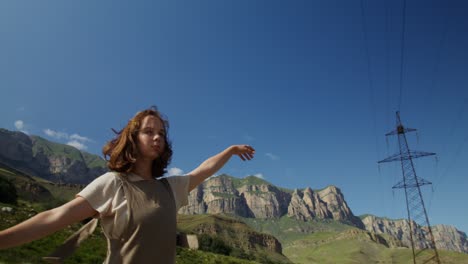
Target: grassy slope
58, 194
333, 247
330, 242
287, 229
93, 161
235, 233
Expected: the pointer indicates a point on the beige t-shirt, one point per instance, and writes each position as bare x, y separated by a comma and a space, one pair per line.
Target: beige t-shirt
106, 196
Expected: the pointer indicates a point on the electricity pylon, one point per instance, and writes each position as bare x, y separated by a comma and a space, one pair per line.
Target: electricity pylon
420, 230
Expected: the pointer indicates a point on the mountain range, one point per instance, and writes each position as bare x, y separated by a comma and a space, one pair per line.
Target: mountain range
247, 198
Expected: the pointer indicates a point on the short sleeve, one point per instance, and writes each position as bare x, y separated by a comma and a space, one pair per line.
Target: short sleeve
100, 193
179, 186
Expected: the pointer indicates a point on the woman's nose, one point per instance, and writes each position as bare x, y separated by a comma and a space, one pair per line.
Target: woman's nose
156, 137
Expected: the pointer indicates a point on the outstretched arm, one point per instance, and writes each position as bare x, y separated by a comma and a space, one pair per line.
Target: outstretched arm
213, 164
46, 223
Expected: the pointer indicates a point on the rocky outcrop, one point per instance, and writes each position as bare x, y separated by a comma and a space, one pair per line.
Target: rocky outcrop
328, 203
214, 196
265, 201
450, 238
233, 232
52, 161
259, 199
445, 237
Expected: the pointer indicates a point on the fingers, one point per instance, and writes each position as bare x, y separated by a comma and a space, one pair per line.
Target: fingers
245, 152
249, 148
246, 156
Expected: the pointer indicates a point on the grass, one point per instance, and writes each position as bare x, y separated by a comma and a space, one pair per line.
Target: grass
287, 229
64, 193
354, 247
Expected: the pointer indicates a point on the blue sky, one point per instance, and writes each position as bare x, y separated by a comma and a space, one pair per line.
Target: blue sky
312, 85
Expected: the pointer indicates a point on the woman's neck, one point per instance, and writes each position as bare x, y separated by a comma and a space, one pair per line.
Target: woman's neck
143, 169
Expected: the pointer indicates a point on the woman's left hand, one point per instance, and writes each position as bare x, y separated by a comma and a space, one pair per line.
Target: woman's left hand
245, 152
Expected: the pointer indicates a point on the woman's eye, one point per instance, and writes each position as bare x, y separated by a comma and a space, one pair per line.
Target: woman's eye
148, 132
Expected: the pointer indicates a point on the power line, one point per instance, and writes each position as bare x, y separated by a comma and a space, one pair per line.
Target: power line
402, 53
387, 58
369, 78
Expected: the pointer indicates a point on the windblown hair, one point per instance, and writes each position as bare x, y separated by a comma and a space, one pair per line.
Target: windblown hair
122, 152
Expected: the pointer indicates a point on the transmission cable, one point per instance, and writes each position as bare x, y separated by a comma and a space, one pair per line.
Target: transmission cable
371, 87
402, 53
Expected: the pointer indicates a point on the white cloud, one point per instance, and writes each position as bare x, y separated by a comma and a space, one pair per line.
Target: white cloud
74, 140
259, 175
77, 144
19, 124
272, 156
55, 134
79, 138
174, 171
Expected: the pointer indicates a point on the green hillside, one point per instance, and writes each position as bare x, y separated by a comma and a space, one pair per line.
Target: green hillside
287, 229
354, 247
50, 148
235, 234
93, 161
53, 149
328, 241
37, 191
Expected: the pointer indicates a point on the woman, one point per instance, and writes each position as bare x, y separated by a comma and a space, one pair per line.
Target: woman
137, 211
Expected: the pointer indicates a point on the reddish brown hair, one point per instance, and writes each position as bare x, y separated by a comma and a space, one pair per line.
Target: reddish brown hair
121, 152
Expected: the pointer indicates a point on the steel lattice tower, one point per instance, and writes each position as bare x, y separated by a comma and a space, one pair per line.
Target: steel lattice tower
421, 235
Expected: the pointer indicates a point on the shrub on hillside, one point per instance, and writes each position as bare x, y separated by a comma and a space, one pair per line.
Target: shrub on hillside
7, 192
213, 244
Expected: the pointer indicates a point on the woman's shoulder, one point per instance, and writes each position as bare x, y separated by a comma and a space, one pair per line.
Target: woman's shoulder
110, 178
176, 179
178, 182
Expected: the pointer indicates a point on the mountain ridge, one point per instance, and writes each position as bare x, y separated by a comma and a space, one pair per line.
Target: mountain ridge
250, 197
52, 161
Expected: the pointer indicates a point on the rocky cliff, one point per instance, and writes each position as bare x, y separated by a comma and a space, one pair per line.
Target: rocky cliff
52, 161
234, 233
446, 237
253, 197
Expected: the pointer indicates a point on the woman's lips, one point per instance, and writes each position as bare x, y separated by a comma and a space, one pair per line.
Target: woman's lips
156, 147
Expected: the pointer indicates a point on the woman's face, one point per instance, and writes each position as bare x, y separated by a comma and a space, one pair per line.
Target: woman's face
151, 137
